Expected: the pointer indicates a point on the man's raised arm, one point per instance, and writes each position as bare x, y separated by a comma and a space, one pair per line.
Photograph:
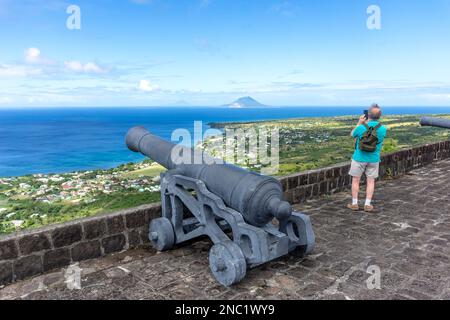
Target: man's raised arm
362, 120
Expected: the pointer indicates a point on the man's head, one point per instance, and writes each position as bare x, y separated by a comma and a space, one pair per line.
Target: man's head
374, 112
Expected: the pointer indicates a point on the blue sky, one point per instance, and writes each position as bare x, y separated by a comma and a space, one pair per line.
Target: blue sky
210, 52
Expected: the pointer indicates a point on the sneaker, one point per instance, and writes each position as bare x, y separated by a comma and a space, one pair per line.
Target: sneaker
353, 207
368, 208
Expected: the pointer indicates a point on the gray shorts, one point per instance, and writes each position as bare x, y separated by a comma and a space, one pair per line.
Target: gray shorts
371, 170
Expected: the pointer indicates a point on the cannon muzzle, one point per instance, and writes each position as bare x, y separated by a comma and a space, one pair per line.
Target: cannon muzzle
435, 122
257, 197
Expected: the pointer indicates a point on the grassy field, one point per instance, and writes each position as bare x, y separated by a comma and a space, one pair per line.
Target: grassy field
153, 171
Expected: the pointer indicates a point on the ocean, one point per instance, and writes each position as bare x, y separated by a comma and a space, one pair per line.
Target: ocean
57, 140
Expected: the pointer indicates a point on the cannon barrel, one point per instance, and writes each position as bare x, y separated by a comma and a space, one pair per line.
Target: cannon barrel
435, 122
259, 198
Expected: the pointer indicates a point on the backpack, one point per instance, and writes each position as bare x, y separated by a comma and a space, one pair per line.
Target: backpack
369, 139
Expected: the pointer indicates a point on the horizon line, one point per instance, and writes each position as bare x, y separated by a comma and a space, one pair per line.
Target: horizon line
216, 106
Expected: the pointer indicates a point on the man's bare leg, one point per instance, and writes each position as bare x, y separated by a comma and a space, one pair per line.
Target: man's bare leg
355, 191
355, 188
370, 189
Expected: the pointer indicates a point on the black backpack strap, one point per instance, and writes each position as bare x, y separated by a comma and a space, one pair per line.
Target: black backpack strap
378, 126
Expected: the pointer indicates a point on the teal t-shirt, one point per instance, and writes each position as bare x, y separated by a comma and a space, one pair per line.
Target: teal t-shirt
371, 157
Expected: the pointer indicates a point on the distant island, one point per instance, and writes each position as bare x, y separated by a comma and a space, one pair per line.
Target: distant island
245, 102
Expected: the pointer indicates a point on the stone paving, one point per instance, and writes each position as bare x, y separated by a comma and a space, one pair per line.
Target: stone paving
407, 238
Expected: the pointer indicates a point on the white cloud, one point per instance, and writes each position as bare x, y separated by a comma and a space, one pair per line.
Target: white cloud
18, 71
33, 100
386, 85
33, 56
6, 100
89, 67
146, 86
438, 97
35, 64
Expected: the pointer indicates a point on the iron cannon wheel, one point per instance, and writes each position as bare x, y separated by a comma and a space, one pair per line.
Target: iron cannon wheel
161, 234
227, 263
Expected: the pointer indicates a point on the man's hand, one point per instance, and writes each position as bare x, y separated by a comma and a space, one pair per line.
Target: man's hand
362, 120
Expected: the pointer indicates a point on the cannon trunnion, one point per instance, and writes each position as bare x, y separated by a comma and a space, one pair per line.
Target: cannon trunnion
235, 208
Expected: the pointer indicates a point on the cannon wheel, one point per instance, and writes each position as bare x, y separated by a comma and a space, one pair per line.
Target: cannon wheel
227, 263
161, 234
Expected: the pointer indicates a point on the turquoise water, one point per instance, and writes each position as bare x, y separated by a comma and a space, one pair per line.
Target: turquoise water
70, 139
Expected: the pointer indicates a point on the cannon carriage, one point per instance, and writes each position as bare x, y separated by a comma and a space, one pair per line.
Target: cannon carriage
242, 212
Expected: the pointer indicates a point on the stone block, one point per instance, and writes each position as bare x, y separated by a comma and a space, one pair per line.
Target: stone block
299, 195
323, 188
315, 190
57, 258
321, 176
337, 172
86, 250
134, 238
66, 235
303, 180
33, 243
6, 272
8, 250
115, 224
94, 229
292, 182
347, 180
308, 192
334, 184
27, 267
135, 219
143, 233
114, 243
312, 177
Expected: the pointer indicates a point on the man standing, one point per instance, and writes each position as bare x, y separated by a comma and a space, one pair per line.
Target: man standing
369, 135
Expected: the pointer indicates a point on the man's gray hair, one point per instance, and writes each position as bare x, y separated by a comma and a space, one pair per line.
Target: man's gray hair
375, 112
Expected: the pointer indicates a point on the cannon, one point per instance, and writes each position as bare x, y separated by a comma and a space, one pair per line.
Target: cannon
435, 122
242, 212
